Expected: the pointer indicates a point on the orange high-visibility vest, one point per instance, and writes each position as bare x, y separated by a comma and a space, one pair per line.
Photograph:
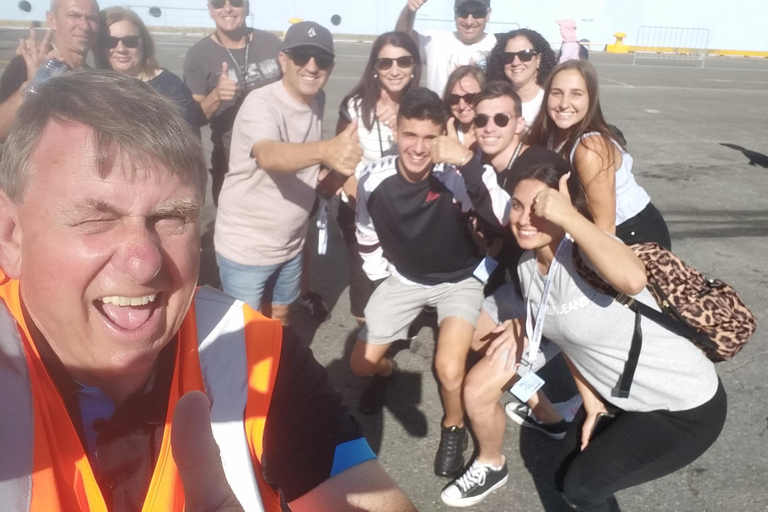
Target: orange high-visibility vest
225, 349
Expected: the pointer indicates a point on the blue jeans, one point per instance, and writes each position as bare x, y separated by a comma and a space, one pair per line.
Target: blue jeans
252, 283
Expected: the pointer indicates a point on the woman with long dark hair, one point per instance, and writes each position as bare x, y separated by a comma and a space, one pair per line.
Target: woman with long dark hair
675, 406
393, 69
523, 58
572, 124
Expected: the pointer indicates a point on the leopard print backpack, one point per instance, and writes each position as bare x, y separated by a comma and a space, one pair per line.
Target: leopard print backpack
707, 311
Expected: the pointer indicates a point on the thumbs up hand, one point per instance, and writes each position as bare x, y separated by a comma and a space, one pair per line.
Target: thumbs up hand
197, 457
447, 149
555, 205
343, 152
226, 89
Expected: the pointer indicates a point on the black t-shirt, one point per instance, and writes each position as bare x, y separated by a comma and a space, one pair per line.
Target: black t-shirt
305, 424
14, 75
171, 86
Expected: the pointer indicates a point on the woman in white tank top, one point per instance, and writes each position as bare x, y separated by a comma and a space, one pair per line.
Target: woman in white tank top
572, 123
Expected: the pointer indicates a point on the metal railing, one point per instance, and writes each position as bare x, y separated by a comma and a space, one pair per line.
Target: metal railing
671, 43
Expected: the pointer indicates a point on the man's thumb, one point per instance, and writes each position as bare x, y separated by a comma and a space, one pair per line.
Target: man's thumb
197, 457
563, 185
351, 129
224, 69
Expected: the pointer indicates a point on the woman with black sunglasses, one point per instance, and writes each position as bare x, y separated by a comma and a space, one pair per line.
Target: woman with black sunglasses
393, 69
126, 46
523, 58
463, 85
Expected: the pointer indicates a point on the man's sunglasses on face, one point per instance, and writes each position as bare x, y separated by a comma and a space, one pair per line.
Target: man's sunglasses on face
501, 119
301, 56
128, 41
219, 4
524, 55
476, 12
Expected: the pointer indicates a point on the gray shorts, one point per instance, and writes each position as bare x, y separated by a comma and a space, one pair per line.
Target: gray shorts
506, 304
394, 305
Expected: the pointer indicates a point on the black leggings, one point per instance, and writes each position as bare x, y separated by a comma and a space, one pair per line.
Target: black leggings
636, 448
646, 226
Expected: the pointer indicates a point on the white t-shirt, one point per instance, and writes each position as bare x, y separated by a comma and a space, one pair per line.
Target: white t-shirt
595, 332
443, 52
531, 108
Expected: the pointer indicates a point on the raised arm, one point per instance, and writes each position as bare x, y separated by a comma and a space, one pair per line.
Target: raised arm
615, 262
225, 90
407, 17
595, 161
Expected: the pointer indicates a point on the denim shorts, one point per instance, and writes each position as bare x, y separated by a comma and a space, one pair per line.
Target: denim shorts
251, 283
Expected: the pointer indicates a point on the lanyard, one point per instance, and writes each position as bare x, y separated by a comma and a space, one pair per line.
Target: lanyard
238, 70
534, 333
511, 163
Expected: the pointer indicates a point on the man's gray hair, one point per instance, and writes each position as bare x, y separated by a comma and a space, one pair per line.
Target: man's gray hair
128, 120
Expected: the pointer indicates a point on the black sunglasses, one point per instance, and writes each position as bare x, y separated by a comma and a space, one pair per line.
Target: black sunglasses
128, 41
476, 12
454, 99
218, 4
501, 119
404, 62
524, 55
302, 56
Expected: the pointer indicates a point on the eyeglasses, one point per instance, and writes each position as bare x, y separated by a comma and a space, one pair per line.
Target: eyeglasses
524, 55
404, 62
128, 41
501, 119
219, 4
454, 99
301, 57
476, 12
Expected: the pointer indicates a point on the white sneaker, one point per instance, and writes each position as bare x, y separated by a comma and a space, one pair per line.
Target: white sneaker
477, 482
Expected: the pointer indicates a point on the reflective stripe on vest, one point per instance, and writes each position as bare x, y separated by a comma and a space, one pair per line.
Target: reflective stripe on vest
238, 378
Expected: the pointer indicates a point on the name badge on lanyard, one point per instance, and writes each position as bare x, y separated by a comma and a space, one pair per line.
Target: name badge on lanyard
530, 382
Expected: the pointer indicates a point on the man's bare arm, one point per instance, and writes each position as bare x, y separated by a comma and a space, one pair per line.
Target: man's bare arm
342, 153
365, 487
408, 17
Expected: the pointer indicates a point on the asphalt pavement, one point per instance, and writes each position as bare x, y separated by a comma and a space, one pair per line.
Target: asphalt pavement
699, 139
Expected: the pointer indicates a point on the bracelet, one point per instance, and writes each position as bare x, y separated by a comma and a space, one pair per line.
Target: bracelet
466, 159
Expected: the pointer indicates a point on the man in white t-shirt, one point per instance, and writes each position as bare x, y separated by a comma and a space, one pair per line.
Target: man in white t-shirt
445, 51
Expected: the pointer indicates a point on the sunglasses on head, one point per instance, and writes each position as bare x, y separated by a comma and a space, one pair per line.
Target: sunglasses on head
128, 41
524, 55
219, 4
454, 99
404, 62
476, 12
301, 57
501, 119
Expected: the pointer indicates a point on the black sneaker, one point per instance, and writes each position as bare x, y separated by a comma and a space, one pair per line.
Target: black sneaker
449, 460
477, 482
375, 393
522, 415
315, 304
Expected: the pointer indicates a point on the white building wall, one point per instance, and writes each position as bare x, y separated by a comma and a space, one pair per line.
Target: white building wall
733, 25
